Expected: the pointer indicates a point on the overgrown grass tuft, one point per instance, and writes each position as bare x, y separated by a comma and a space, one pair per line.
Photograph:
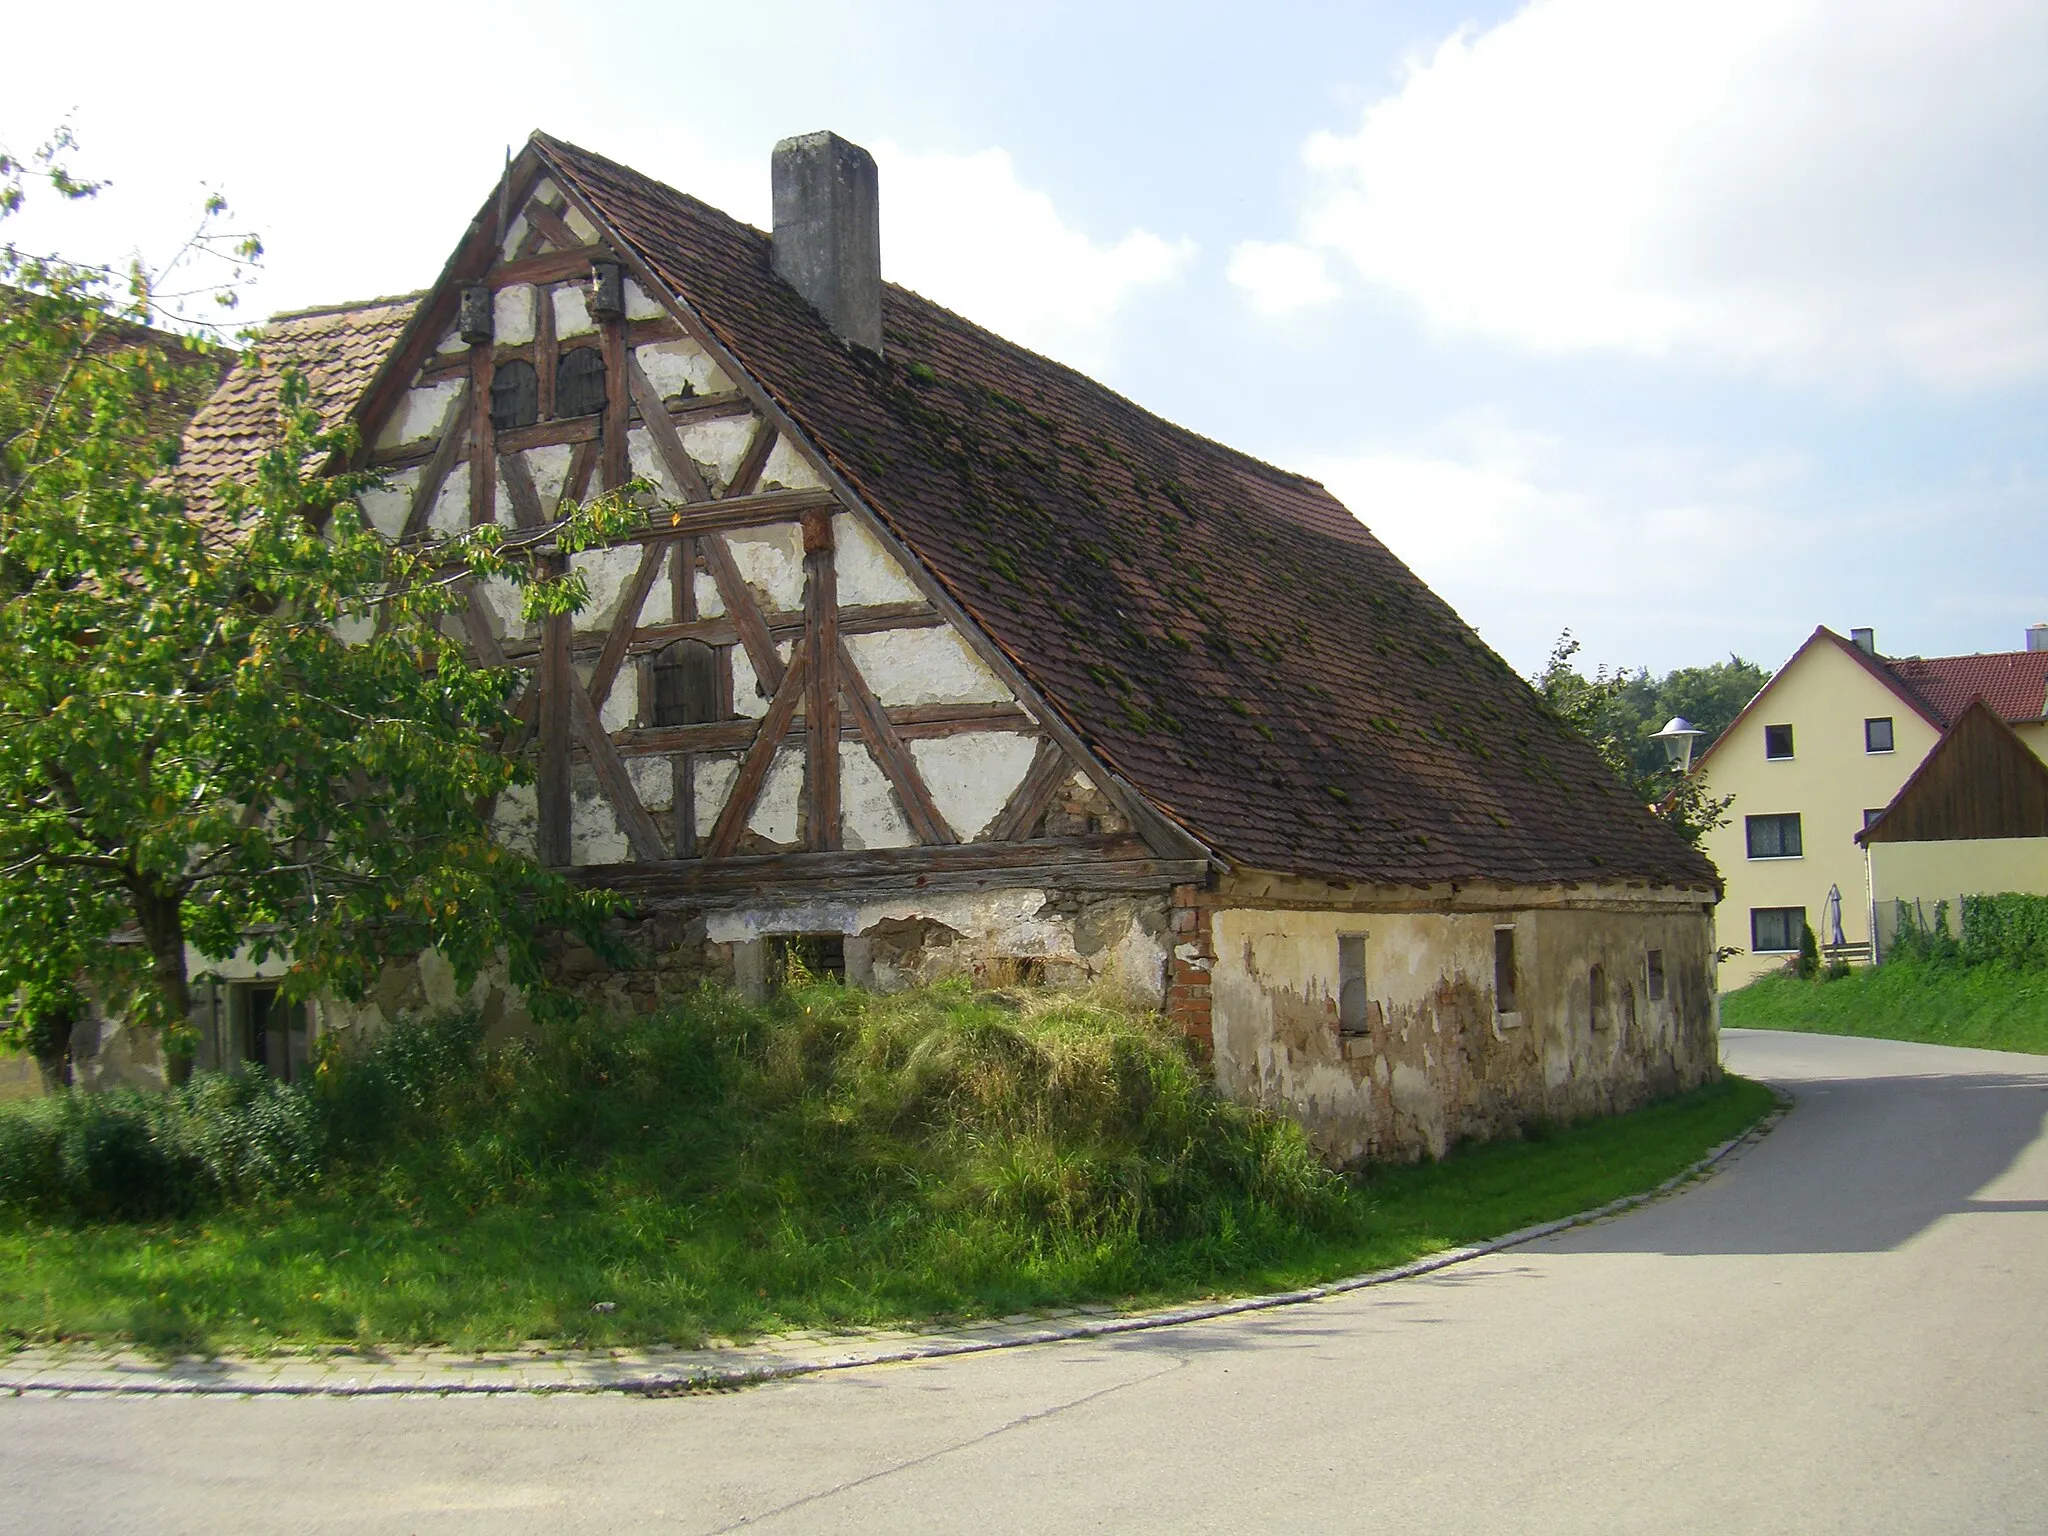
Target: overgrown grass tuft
1939, 1001
723, 1169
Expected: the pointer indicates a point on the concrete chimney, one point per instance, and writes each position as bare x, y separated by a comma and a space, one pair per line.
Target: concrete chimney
1865, 640
2037, 637
828, 232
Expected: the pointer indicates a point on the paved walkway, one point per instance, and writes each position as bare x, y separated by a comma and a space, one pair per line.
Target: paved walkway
650, 1372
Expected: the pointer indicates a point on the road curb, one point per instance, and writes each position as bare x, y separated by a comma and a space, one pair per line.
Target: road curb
595, 1373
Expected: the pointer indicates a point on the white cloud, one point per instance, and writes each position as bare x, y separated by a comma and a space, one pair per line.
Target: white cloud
1526, 534
962, 230
1281, 279
1849, 189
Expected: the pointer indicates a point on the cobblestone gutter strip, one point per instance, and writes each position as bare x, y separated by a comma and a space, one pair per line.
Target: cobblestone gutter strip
656, 1373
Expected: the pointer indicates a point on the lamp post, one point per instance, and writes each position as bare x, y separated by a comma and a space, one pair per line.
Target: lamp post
1678, 736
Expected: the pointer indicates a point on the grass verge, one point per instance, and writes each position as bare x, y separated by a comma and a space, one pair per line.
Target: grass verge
832, 1159
1991, 1007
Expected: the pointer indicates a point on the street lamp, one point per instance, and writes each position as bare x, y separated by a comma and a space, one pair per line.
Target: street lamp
1678, 736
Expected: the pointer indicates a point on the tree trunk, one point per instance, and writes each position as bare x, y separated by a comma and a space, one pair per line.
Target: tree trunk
159, 910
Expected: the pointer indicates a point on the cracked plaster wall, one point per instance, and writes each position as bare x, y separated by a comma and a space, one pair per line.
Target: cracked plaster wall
1438, 1065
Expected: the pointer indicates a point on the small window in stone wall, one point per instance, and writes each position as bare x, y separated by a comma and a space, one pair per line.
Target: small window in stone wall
1656, 969
1596, 997
515, 396
685, 677
805, 956
579, 382
1628, 1005
1354, 1012
1505, 999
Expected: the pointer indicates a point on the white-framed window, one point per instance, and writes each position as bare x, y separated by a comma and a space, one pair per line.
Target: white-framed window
1776, 930
1506, 998
1777, 741
1877, 734
1354, 1005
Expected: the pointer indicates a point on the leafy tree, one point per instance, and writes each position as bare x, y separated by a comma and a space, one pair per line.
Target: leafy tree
1608, 710
190, 751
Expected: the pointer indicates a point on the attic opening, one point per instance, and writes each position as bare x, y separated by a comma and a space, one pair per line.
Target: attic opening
579, 382
515, 395
685, 676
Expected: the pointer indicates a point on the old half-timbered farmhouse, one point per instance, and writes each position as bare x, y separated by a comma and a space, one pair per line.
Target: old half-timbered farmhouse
953, 660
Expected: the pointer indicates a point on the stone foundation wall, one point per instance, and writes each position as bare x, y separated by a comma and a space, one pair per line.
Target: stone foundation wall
1435, 1062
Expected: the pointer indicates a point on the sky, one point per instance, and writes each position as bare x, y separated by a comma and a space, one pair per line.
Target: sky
1685, 326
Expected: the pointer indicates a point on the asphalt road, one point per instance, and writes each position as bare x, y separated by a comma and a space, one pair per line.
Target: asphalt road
1846, 1329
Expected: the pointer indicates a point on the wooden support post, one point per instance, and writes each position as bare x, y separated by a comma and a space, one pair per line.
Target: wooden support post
618, 401
1048, 771
556, 677
744, 612
748, 475
746, 786
547, 354
454, 434
483, 453
898, 765
682, 571
821, 703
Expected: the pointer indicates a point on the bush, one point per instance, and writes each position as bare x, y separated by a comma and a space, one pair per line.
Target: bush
2009, 930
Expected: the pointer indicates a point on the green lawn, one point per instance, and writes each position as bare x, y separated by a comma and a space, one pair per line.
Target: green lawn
832, 1160
1992, 1007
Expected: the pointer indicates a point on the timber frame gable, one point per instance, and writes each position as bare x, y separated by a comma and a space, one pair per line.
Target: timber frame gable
768, 689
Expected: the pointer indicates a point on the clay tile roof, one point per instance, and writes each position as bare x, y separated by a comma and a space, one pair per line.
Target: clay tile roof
1223, 633
337, 349
2014, 683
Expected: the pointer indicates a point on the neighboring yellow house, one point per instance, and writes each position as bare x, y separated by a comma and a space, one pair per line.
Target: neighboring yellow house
1815, 757
1973, 820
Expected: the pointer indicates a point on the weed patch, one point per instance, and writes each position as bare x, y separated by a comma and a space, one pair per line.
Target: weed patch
834, 1158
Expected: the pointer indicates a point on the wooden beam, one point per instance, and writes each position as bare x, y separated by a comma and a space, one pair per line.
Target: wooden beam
726, 402
554, 725
897, 763
613, 777
483, 458
576, 483
744, 612
547, 355
668, 442
748, 475
1079, 864
549, 222
550, 268
903, 723
1028, 801
567, 429
821, 702
746, 786
620, 635
862, 619
524, 494
682, 609
454, 434
618, 400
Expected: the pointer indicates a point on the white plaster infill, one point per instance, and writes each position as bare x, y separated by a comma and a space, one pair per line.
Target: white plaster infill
669, 1372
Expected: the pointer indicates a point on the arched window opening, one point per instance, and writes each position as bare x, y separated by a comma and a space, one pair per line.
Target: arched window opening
1596, 985
515, 395
685, 684
579, 382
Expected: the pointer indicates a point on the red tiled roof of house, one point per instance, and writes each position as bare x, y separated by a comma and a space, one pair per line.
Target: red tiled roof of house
2015, 683
337, 350
1225, 634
